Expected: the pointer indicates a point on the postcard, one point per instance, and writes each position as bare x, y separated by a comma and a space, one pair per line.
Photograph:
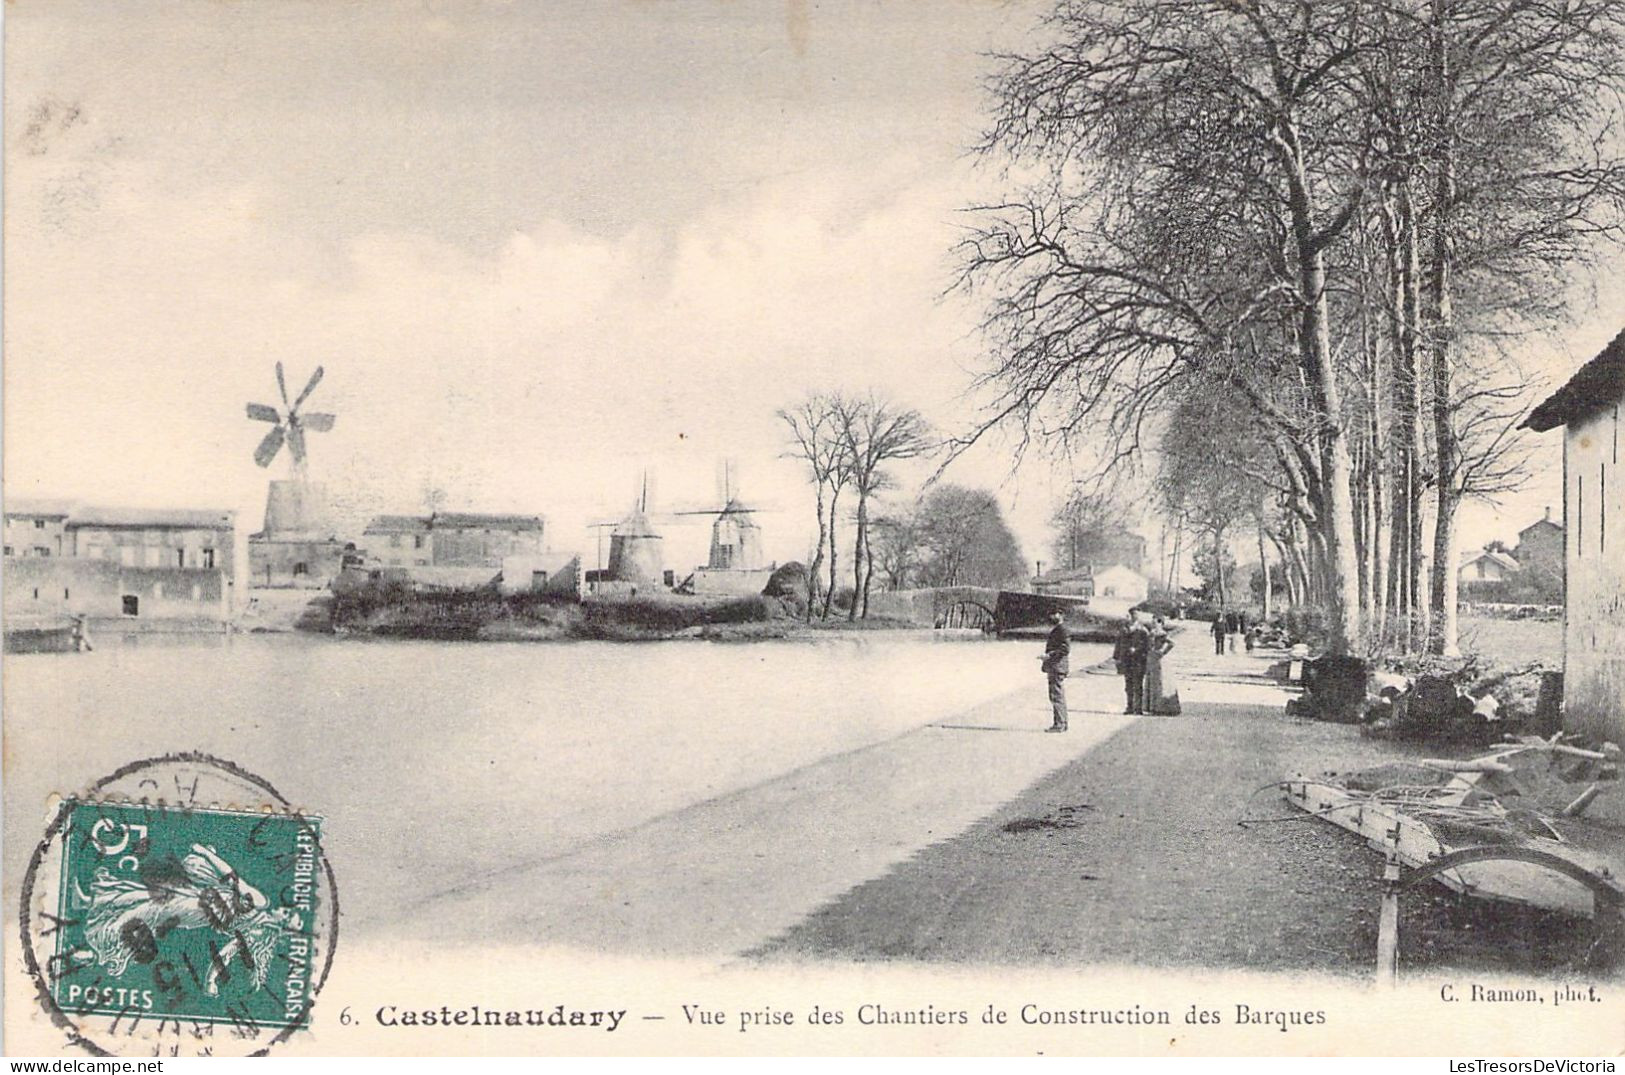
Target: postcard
1068, 527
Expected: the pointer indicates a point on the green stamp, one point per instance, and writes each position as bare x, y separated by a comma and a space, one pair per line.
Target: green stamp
187, 913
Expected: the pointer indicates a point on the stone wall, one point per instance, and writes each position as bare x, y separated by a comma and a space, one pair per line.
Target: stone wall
111, 594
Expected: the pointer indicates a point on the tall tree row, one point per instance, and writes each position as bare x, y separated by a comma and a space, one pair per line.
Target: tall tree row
1342, 213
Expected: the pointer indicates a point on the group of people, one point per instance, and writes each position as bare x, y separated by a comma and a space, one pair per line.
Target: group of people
1227, 628
1148, 686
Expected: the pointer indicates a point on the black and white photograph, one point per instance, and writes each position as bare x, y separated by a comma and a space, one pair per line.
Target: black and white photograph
813, 527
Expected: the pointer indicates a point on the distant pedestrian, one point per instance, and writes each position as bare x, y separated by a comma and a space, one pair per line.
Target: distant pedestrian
1129, 655
1232, 627
1218, 636
1251, 636
1057, 650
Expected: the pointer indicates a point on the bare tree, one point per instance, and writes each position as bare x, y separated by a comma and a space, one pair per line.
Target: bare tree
874, 433
1187, 198
816, 439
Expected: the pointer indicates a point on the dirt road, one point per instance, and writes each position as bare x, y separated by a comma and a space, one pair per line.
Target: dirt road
1136, 854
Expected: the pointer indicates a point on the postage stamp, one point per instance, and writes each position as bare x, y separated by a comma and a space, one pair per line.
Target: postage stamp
171, 923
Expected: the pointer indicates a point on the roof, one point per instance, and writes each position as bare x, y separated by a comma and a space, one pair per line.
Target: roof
154, 518
39, 509
1539, 523
397, 524
636, 524
1505, 560
1597, 384
1119, 569
468, 520
1066, 574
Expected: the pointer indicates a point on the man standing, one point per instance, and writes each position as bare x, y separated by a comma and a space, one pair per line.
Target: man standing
1129, 655
1057, 649
1218, 635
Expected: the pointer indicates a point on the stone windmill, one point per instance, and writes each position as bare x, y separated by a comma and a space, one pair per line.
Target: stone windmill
294, 507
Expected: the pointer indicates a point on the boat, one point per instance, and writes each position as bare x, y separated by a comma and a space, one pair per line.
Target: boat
1507, 827
63, 635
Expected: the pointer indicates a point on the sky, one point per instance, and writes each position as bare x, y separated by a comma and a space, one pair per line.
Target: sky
539, 249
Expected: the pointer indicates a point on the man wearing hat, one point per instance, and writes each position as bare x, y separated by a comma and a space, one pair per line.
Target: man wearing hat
1057, 648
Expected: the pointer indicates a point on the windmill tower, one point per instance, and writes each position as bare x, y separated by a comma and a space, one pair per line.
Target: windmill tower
636, 552
736, 538
295, 507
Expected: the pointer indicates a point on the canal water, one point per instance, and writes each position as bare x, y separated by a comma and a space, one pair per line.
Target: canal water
438, 761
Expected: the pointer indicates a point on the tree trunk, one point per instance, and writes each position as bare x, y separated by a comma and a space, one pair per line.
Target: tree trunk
834, 554
814, 579
1443, 591
1341, 575
1264, 566
857, 553
1218, 567
869, 568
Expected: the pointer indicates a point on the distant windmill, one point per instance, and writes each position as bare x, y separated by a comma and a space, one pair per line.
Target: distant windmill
290, 424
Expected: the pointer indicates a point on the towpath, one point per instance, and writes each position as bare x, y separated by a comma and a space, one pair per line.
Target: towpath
726, 875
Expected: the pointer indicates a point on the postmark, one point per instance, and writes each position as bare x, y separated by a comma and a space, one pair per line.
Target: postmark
179, 906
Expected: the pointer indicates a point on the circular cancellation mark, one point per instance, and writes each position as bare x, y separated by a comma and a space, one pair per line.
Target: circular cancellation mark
180, 906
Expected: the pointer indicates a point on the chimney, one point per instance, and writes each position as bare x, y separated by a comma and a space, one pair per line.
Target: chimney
1548, 513
1040, 569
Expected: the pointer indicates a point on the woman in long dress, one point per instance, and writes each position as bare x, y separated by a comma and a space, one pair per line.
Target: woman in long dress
1161, 691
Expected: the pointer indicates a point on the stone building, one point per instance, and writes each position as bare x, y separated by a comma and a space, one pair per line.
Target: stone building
129, 568
37, 528
467, 539
398, 541
1066, 581
452, 539
1540, 554
1587, 409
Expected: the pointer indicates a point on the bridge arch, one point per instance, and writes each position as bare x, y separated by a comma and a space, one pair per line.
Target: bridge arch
966, 613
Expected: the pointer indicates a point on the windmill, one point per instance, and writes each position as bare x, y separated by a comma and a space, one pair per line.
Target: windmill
296, 508
289, 424
635, 554
736, 537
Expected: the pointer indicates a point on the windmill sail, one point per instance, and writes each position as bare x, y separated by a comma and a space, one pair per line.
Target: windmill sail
290, 424
269, 446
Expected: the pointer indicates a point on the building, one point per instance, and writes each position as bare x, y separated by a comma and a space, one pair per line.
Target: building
133, 567
554, 573
1067, 581
147, 537
1540, 554
398, 541
1122, 582
37, 528
1587, 409
466, 539
1481, 566
452, 539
